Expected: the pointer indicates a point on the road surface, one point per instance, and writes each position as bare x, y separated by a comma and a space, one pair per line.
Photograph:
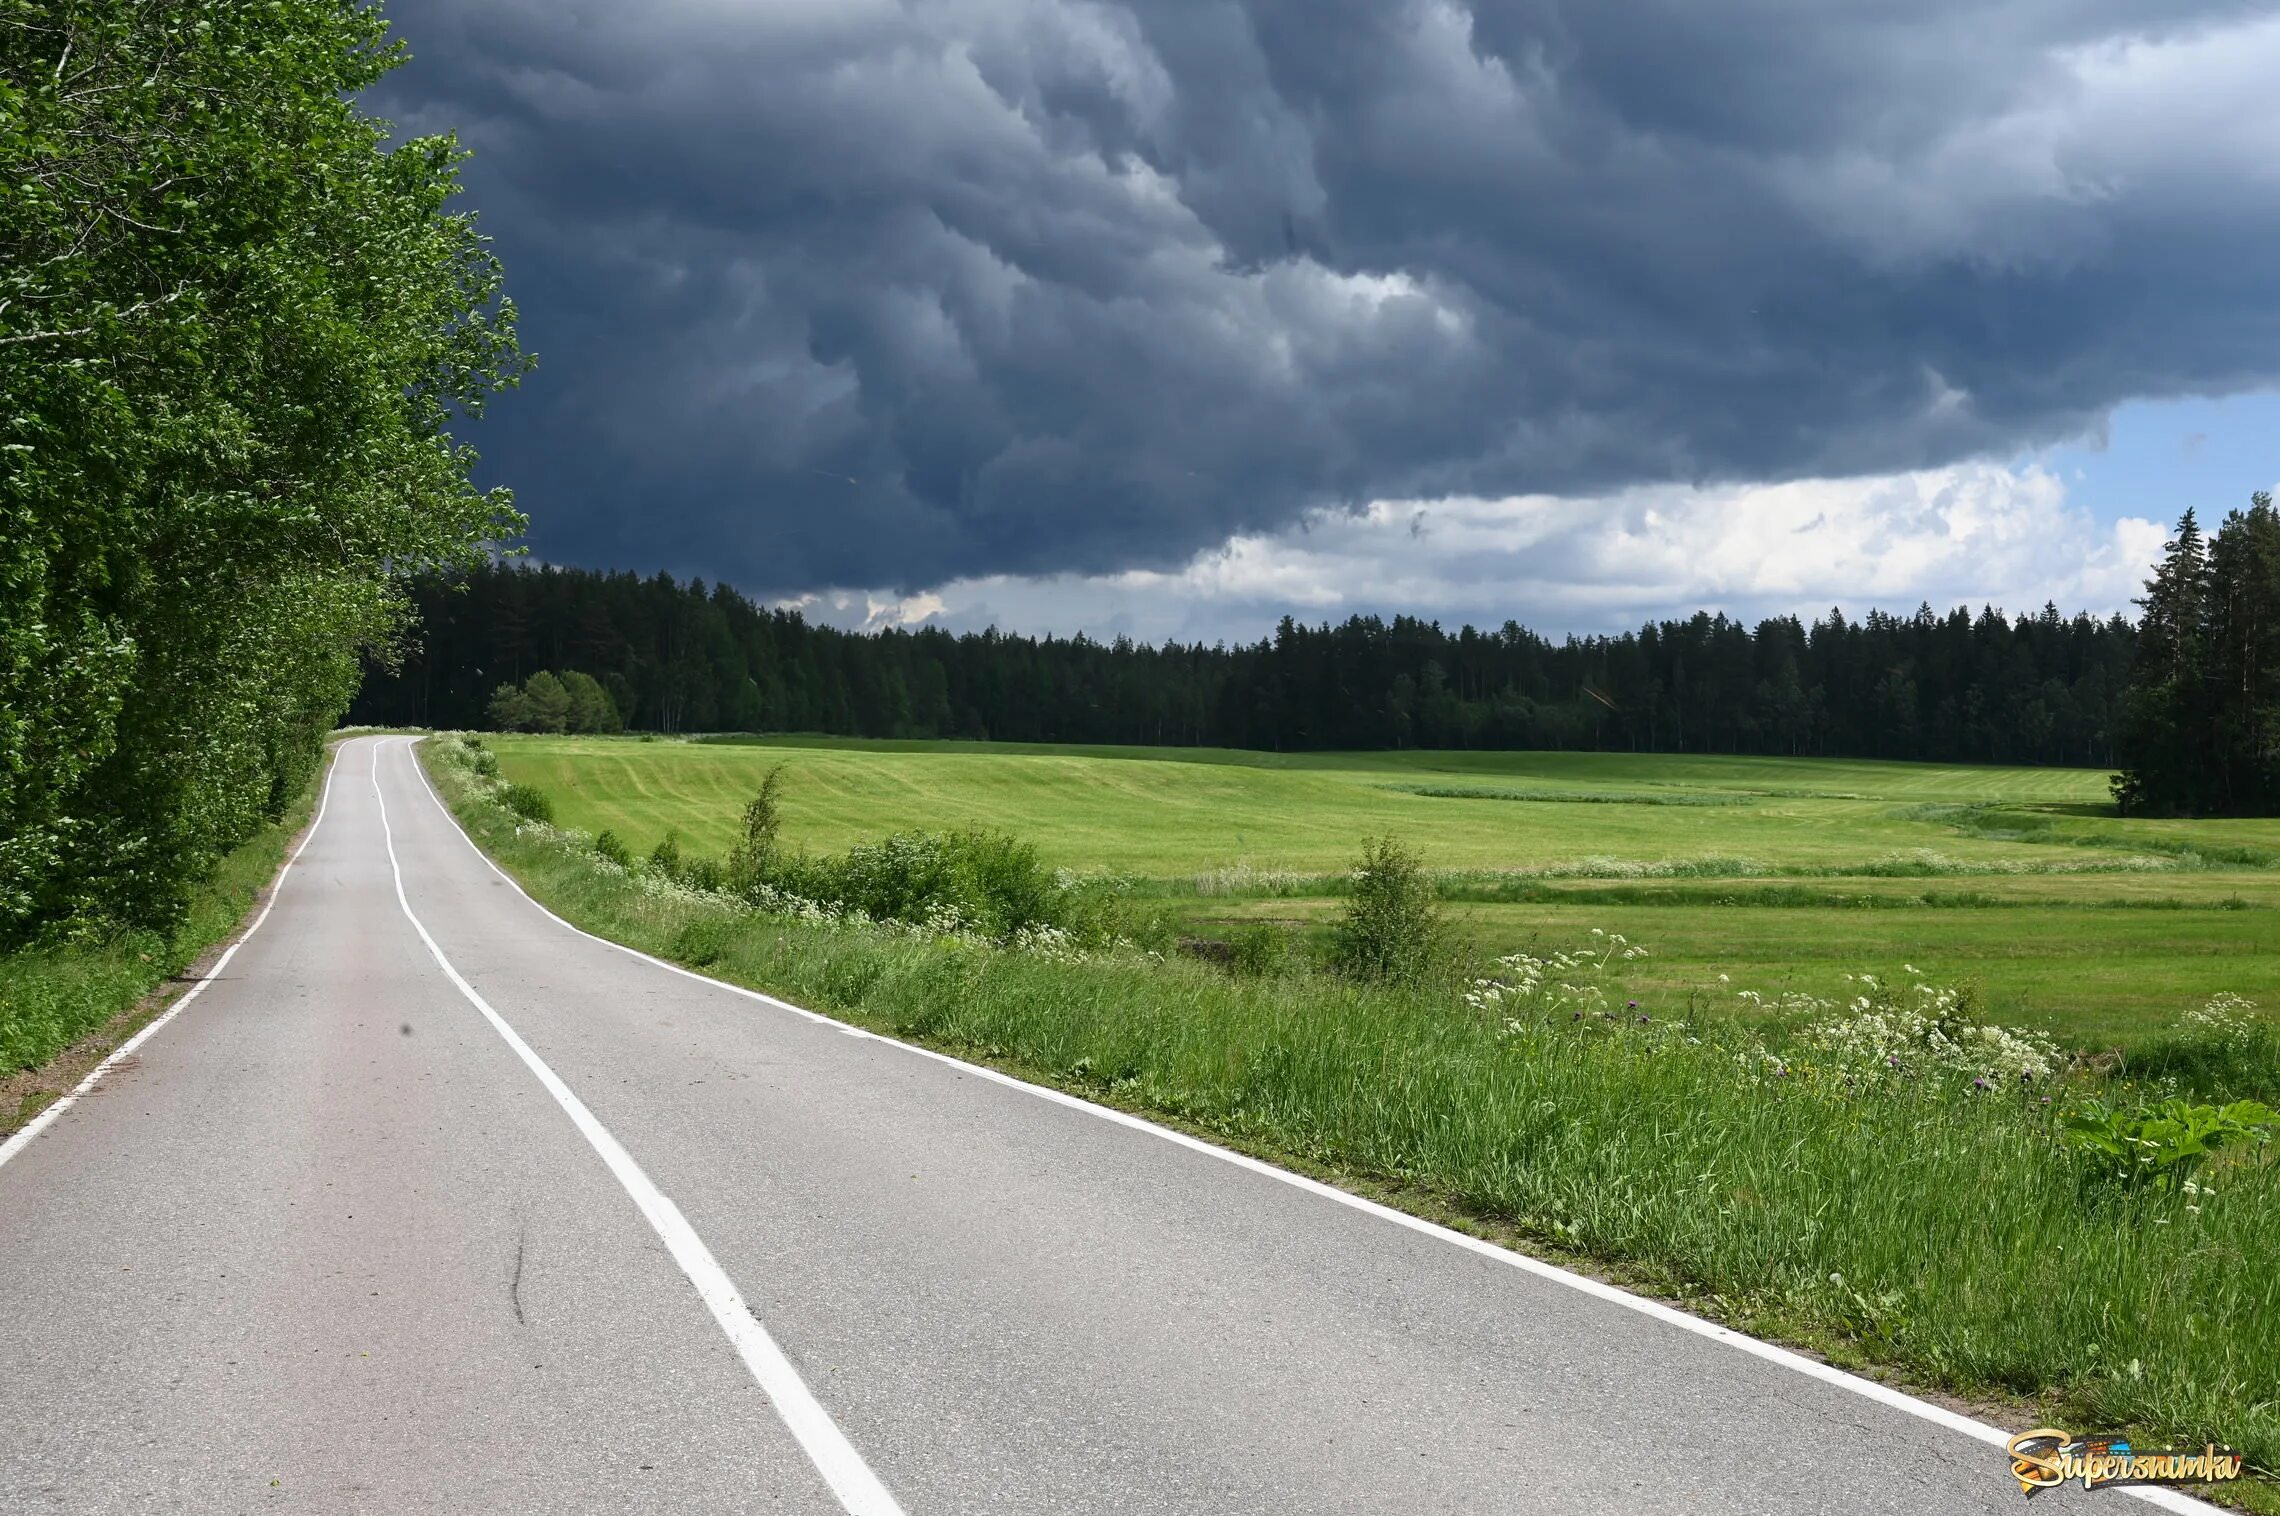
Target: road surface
430, 1203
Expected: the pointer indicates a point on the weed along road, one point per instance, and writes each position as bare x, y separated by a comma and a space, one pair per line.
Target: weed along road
429, 1202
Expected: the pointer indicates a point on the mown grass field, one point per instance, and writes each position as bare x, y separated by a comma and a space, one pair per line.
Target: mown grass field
1780, 873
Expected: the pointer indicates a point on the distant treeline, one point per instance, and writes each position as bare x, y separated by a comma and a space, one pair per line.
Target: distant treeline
678, 657
2200, 731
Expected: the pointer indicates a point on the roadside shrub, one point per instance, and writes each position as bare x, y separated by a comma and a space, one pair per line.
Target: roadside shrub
698, 872
486, 763
1391, 930
1260, 949
612, 847
691, 871
528, 802
753, 860
945, 883
992, 882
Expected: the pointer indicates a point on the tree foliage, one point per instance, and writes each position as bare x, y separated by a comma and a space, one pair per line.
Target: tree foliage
2200, 731
550, 702
1959, 687
235, 325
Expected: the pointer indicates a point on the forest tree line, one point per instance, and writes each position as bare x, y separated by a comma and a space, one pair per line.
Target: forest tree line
2200, 730
679, 656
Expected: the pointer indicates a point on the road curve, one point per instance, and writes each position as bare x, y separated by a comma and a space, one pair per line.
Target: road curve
348, 1235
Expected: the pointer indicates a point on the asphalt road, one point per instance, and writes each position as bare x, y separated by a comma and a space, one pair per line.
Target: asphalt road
554, 1228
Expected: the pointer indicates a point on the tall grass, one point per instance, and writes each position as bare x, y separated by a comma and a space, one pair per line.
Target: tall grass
1952, 1237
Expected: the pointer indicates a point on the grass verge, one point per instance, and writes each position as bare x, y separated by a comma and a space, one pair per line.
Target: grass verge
1950, 1242
64, 1008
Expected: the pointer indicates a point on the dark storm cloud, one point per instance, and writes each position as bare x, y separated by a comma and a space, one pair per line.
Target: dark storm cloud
852, 292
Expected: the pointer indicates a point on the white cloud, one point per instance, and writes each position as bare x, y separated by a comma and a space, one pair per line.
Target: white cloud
1978, 533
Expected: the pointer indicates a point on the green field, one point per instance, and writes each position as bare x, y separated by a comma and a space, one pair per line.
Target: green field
1782, 873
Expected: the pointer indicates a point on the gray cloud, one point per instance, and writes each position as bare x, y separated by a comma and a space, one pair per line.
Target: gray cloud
859, 293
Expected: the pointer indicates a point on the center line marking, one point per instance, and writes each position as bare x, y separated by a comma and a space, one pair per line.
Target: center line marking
859, 1490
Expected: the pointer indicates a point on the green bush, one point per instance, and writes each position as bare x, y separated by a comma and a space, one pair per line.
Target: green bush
975, 880
993, 882
528, 802
1259, 949
753, 860
1391, 929
689, 870
612, 847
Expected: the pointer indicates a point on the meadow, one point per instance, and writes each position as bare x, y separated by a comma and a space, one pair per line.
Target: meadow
1935, 1203
1783, 874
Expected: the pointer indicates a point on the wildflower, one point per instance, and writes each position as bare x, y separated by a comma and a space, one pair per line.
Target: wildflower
2226, 1018
1630, 1005
1980, 1083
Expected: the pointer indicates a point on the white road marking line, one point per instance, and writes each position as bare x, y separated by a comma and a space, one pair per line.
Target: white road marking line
859, 1490
1812, 1368
30, 1129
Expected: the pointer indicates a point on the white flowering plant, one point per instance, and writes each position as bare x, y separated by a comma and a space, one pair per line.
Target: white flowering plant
1568, 984
1909, 1028
2230, 1021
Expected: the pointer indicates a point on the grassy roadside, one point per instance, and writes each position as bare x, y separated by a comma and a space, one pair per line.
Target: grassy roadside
1948, 1241
64, 1008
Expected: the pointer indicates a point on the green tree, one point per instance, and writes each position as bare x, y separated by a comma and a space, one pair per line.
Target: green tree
548, 701
236, 325
591, 709
509, 709
2199, 731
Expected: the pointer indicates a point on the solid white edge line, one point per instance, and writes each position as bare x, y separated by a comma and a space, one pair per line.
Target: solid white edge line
1812, 1368
858, 1489
30, 1129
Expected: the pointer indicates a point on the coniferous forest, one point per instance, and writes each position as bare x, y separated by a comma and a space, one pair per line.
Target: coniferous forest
2199, 730
688, 657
